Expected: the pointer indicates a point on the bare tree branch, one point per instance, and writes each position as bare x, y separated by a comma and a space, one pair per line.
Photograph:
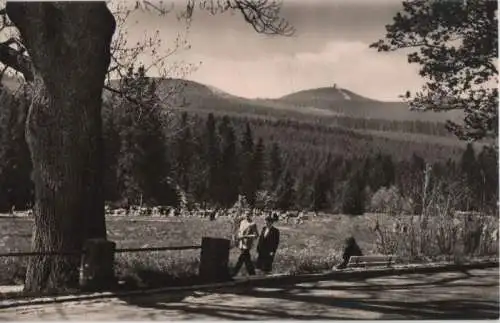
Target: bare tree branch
121, 93
16, 60
146, 5
262, 15
13, 54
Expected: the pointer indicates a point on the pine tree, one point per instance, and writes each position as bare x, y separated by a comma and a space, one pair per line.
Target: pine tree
229, 170
471, 178
388, 170
412, 183
16, 187
258, 165
304, 194
320, 190
155, 165
468, 160
354, 196
488, 193
286, 192
184, 153
246, 158
379, 171
111, 145
199, 174
275, 166
143, 166
212, 158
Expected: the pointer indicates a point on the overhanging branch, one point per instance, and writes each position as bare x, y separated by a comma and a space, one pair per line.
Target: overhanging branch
122, 94
16, 60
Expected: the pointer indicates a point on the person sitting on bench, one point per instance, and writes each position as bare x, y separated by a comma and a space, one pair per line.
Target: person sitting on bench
351, 249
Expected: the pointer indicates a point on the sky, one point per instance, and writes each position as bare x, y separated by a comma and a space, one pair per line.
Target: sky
330, 46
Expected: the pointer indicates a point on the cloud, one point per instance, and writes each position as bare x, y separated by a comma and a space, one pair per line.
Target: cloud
331, 46
349, 64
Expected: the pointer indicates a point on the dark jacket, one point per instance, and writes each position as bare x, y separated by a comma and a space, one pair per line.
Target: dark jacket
351, 249
269, 243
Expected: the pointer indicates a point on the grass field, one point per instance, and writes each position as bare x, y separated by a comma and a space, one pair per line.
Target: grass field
311, 246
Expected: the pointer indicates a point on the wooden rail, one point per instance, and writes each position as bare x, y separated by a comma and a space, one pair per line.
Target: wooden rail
97, 260
41, 253
156, 249
79, 253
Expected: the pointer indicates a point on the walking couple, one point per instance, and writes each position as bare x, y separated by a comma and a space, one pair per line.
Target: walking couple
267, 244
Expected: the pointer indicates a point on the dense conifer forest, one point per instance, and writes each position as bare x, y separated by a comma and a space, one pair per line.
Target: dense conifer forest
184, 157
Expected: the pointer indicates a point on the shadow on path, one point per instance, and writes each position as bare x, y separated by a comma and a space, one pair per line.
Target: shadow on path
234, 312
374, 286
434, 309
318, 302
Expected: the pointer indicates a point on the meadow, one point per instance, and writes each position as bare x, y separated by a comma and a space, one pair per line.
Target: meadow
314, 245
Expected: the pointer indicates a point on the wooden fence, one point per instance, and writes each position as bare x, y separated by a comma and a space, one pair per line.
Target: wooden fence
97, 260
79, 253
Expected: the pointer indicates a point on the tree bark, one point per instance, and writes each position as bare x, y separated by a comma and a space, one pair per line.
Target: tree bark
69, 45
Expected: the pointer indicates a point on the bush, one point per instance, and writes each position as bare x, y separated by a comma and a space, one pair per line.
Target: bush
264, 200
387, 200
440, 232
13, 270
304, 261
156, 269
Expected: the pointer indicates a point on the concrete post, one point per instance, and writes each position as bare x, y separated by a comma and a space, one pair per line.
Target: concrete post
214, 259
97, 265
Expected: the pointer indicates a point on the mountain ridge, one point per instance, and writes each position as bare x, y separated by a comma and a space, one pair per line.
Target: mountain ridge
311, 103
316, 102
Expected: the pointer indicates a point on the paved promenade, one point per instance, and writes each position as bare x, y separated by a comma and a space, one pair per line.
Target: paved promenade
468, 295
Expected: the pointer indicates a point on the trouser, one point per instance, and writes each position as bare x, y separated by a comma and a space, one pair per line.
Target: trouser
344, 262
265, 262
247, 259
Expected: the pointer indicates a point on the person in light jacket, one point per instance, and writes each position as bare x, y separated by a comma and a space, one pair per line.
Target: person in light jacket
267, 245
247, 233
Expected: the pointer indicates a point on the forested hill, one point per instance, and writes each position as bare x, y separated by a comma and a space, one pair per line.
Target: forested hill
389, 126
313, 103
348, 103
329, 119
329, 105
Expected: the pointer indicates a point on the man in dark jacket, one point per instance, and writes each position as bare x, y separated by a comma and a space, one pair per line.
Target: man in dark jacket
269, 240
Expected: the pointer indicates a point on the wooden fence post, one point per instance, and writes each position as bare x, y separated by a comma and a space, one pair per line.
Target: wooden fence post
97, 265
214, 259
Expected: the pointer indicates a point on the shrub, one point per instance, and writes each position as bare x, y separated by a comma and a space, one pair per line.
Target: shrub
155, 269
13, 270
304, 261
439, 232
390, 201
264, 200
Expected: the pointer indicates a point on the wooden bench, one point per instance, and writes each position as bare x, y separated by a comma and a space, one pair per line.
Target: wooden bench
371, 261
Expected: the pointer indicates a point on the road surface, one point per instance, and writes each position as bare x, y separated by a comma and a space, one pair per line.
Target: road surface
468, 295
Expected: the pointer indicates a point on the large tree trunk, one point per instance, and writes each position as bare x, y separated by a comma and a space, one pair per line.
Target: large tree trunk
69, 45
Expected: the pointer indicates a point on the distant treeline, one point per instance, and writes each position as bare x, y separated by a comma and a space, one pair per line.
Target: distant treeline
407, 126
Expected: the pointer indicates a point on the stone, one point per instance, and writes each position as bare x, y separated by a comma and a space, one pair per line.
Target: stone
97, 265
214, 259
